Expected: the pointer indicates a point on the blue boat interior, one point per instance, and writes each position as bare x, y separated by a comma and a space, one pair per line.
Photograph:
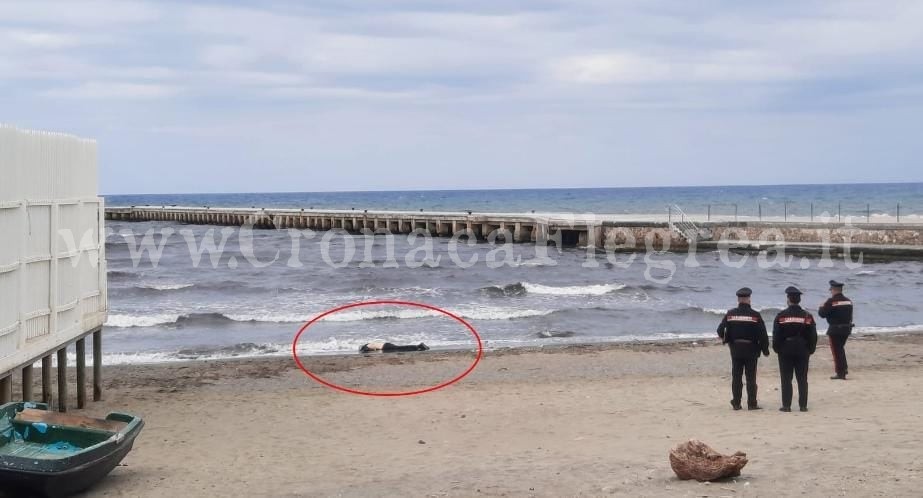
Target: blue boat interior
44, 441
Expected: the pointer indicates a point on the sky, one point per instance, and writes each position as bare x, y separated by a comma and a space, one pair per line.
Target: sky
244, 96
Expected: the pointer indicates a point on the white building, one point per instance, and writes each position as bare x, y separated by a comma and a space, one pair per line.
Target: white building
52, 258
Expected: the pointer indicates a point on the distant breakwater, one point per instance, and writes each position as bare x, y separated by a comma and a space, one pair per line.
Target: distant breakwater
595, 232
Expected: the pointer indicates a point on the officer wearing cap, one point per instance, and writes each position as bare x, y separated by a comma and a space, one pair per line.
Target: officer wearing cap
794, 339
744, 331
838, 312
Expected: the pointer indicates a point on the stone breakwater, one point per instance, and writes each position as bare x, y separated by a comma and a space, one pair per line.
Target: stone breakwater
604, 232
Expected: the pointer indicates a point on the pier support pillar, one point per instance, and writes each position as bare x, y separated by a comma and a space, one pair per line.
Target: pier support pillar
81, 373
27, 383
517, 232
62, 379
46, 380
98, 365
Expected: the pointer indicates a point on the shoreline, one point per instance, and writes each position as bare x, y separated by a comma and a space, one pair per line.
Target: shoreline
565, 421
602, 345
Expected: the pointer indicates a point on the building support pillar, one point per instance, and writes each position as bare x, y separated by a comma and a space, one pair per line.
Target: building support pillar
81, 373
98, 365
62, 379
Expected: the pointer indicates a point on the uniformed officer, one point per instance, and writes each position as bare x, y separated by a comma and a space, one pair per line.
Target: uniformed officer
838, 312
744, 331
794, 339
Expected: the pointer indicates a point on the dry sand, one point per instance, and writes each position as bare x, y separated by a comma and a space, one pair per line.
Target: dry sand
577, 421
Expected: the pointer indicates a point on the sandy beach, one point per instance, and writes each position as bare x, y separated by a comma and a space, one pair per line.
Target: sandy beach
574, 421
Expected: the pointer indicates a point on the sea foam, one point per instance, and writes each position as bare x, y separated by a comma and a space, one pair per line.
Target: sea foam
572, 290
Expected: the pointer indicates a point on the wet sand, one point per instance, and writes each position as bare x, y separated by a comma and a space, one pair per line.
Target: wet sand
571, 421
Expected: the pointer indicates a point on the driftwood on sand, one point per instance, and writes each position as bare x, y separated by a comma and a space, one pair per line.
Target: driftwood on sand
696, 460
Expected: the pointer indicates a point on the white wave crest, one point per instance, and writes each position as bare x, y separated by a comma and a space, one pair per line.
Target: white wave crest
889, 330
127, 321
472, 313
268, 317
379, 314
484, 313
537, 262
165, 287
575, 290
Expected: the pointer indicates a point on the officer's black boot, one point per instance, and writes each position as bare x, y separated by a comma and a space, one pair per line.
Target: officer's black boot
751, 397
735, 405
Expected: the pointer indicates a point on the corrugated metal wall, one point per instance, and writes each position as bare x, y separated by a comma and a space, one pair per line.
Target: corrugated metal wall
52, 247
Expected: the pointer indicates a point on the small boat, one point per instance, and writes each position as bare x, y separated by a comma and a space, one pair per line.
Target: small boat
52, 454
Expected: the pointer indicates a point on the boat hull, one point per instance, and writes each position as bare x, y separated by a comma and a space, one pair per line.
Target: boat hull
69, 474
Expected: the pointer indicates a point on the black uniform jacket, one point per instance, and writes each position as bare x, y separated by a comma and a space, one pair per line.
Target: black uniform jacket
838, 312
794, 332
744, 331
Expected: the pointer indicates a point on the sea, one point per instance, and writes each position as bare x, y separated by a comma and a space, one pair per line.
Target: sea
215, 292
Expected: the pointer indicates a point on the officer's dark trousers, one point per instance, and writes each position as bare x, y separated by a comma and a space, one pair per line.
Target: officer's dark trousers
797, 364
739, 366
838, 348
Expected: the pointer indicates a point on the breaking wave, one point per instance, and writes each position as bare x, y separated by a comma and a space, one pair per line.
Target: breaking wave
575, 290
523, 288
234, 351
721, 312
889, 330
127, 321
180, 320
701, 309
550, 334
121, 274
509, 290
165, 287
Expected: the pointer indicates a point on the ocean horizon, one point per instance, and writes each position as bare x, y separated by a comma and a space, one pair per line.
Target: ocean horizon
849, 199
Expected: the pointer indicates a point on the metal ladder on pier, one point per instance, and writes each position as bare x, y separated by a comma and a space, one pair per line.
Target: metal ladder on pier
681, 224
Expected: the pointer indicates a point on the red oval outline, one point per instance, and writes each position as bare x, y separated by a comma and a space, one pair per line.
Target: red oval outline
331, 385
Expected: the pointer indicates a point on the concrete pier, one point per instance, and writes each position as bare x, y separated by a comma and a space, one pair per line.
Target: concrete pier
605, 232
515, 227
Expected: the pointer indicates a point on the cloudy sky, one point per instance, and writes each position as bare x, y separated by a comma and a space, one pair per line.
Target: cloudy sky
405, 94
